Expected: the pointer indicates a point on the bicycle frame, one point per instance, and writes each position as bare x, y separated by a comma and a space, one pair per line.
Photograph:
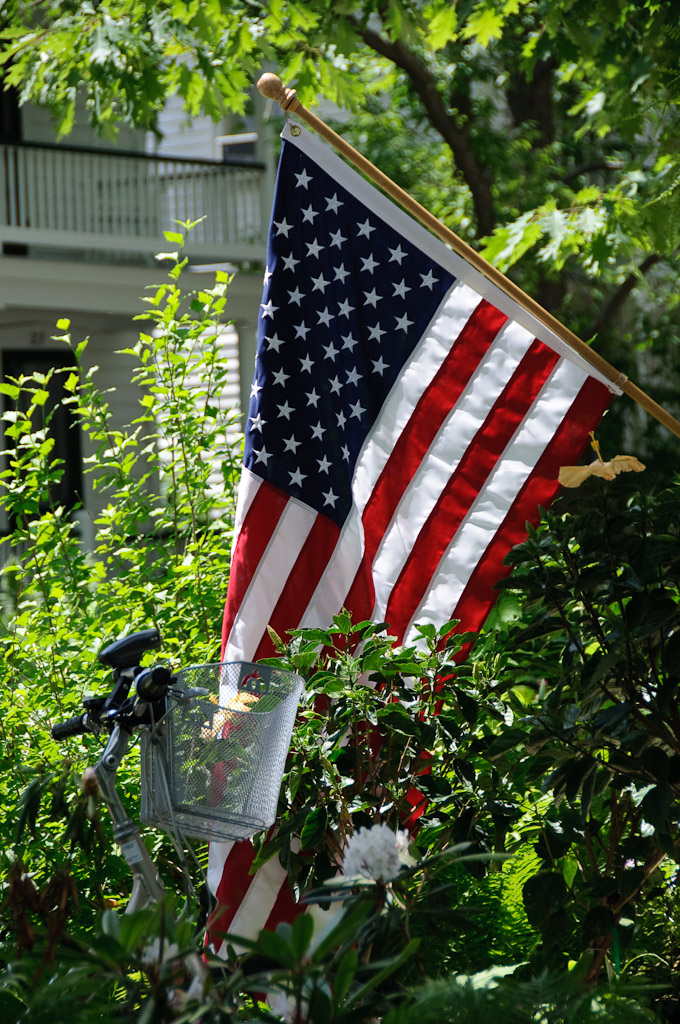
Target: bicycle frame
147, 886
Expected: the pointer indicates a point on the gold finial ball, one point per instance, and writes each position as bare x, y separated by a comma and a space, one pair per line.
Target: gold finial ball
271, 86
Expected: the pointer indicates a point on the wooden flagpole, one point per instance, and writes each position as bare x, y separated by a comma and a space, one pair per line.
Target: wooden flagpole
272, 87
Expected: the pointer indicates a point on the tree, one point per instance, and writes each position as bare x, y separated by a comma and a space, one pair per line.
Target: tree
550, 127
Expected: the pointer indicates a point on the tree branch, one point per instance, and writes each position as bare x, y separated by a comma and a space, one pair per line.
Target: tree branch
616, 300
456, 136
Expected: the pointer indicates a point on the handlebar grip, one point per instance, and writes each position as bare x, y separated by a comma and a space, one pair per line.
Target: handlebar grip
75, 726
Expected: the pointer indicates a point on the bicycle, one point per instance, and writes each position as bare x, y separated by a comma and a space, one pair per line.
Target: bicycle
214, 740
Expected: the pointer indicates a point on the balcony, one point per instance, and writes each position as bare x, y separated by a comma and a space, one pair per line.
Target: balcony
107, 205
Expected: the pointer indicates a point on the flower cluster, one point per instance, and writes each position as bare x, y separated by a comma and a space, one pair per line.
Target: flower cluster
376, 853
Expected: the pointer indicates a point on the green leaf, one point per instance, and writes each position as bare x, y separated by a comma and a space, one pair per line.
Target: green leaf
301, 936
314, 828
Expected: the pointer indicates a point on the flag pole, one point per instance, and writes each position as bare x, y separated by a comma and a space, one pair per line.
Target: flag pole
272, 87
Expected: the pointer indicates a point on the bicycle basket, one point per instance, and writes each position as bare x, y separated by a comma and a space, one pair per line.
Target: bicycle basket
212, 768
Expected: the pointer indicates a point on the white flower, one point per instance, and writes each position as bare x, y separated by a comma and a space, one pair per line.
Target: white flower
376, 853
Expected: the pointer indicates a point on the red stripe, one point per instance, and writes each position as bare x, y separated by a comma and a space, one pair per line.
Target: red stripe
285, 908
255, 533
234, 884
465, 483
433, 407
302, 582
564, 448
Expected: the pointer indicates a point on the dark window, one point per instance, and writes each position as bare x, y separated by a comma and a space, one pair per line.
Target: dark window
63, 427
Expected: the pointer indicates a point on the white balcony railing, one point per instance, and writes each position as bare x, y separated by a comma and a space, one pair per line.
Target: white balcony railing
60, 197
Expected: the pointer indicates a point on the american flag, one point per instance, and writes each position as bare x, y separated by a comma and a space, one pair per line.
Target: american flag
406, 420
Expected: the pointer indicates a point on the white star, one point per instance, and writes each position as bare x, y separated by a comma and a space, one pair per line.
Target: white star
309, 214
345, 452
403, 322
335, 386
296, 296
344, 309
290, 263
262, 456
297, 477
324, 465
313, 248
333, 203
301, 331
274, 342
257, 422
267, 275
312, 398
306, 364
290, 444
320, 283
375, 333
401, 289
331, 351
337, 238
282, 227
268, 308
325, 317
365, 229
303, 179
429, 280
318, 431
255, 389
397, 254
341, 419
357, 410
379, 365
369, 264
285, 410
372, 298
341, 273
280, 377
330, 498
352, 376
349, 342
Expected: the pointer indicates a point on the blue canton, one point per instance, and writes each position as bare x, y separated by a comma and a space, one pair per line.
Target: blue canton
346, 299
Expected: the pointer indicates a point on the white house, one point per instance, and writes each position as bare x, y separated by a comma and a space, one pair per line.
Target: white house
81, 221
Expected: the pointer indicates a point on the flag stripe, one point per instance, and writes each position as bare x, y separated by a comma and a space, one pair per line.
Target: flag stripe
266, 505
465, 483
291, 527
233, 884
539, 489
496, 496
302, 580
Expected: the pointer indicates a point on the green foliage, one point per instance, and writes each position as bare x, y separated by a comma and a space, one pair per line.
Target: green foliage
162, 534
591, 647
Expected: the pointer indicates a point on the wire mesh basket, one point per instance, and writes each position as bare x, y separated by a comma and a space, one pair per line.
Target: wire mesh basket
213, 766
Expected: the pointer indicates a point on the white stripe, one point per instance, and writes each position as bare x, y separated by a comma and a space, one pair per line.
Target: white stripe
217, 855
449, 446
249, 484
379, 205
487, 514
264, 590
259, 900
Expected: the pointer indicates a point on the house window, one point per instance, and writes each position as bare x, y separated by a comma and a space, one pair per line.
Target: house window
63, 427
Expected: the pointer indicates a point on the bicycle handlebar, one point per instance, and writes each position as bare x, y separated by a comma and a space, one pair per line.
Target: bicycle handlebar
75, 726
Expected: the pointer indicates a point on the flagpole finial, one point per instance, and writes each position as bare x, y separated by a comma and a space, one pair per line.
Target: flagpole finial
272, 87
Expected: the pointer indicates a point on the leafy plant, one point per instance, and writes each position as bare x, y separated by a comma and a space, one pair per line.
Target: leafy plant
162, 531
